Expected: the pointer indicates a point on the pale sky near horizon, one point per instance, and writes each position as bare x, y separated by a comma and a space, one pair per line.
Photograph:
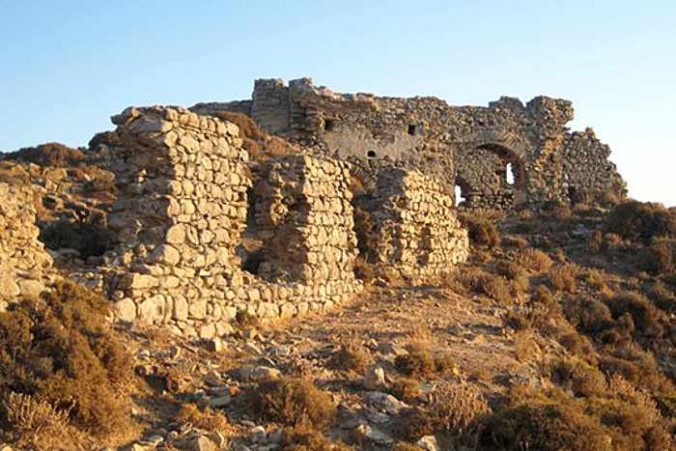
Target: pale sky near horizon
66, 66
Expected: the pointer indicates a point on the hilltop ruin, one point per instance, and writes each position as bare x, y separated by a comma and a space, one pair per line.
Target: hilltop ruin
473, 148
199, 229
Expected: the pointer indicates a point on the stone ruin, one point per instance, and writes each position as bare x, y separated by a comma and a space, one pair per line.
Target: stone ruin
24, 263
189, 202
417, 231
503, 156
203, 232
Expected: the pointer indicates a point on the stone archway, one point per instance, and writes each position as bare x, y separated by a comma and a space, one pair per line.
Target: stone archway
491, 176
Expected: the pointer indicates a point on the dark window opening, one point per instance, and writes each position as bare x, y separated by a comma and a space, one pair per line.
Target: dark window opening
412, 129
329, 125
371, 154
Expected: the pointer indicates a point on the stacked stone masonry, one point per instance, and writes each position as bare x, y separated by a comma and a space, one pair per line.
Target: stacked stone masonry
183, 198
305, 220
425, 133
417, 231
24, 263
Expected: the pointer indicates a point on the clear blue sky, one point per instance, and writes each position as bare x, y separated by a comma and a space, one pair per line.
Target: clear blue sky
67, 65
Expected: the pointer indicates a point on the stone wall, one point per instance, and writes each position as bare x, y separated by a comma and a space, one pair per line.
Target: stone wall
417, 231
588, 170
427, 134
305, 221
183, 200
24, 263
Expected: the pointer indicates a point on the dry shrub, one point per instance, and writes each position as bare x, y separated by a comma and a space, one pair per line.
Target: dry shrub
595, 242
515, 242
294, 402
545, 426
350, 356
659, 258
246, 320
579, 377
305, 439
61, 350
38, 425
48, 154
518, 320
636, 366
453, 408
597, 279
641, 221
579, 346
207, 418
482, 232
663, 297
588, 315
525, 347
631, 417
644, 316
419, 362
563, 279
477, 281
405, 388
534, 260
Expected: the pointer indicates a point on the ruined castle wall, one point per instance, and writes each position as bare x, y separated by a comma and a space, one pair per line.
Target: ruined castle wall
590, 175
305, 220
426, 134
24, 263
181, 211
270, 106
417, 231
483, 179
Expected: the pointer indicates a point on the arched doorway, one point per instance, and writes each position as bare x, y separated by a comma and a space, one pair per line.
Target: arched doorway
492, 175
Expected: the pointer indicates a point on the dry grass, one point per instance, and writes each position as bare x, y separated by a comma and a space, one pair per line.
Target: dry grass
38, 425
563, 279
534, 260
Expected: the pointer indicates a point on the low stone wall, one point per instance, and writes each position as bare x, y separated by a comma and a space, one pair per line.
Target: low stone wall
417, 231
24, 263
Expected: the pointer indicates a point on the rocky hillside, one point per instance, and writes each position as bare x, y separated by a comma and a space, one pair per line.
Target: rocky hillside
557, 333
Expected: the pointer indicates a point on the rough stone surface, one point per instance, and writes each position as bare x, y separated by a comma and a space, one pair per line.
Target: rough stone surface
24, 263
469, 147
417, 231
